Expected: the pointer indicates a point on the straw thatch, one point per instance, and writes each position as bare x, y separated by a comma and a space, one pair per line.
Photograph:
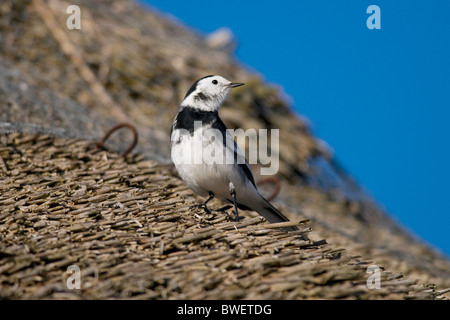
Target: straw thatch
128, 227
126, 222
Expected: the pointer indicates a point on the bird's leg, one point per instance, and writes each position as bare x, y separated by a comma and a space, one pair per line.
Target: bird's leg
233, 194
203, 205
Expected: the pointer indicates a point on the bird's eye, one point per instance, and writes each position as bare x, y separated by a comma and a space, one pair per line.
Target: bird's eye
214, 81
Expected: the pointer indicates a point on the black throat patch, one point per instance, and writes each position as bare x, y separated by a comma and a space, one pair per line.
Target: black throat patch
187, 116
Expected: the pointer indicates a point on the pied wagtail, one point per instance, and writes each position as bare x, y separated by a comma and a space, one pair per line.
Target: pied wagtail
228, 180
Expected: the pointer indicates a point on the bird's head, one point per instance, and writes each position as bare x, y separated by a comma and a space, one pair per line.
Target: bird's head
208, 93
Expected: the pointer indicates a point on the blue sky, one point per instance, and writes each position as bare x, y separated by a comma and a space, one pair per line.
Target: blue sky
379, 98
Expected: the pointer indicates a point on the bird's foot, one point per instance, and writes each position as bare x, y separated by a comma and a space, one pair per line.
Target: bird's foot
200, 206
224, 210
229, 217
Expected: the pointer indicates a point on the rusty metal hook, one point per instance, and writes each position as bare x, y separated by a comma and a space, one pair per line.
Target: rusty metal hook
273, 180
117, 127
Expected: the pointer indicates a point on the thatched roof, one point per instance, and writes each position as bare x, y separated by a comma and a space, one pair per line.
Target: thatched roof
127, 225
126, 222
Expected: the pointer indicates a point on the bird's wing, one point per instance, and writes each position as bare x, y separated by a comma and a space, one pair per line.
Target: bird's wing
233, 148
245, 167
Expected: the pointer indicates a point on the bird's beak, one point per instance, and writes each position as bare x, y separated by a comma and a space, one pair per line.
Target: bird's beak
235, 84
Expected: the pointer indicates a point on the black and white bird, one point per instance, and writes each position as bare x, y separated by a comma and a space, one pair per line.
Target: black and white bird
197, 127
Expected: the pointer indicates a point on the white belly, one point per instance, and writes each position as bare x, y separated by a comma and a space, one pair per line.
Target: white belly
203, 173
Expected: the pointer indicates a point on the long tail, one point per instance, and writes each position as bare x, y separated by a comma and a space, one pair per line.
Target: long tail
272, 214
